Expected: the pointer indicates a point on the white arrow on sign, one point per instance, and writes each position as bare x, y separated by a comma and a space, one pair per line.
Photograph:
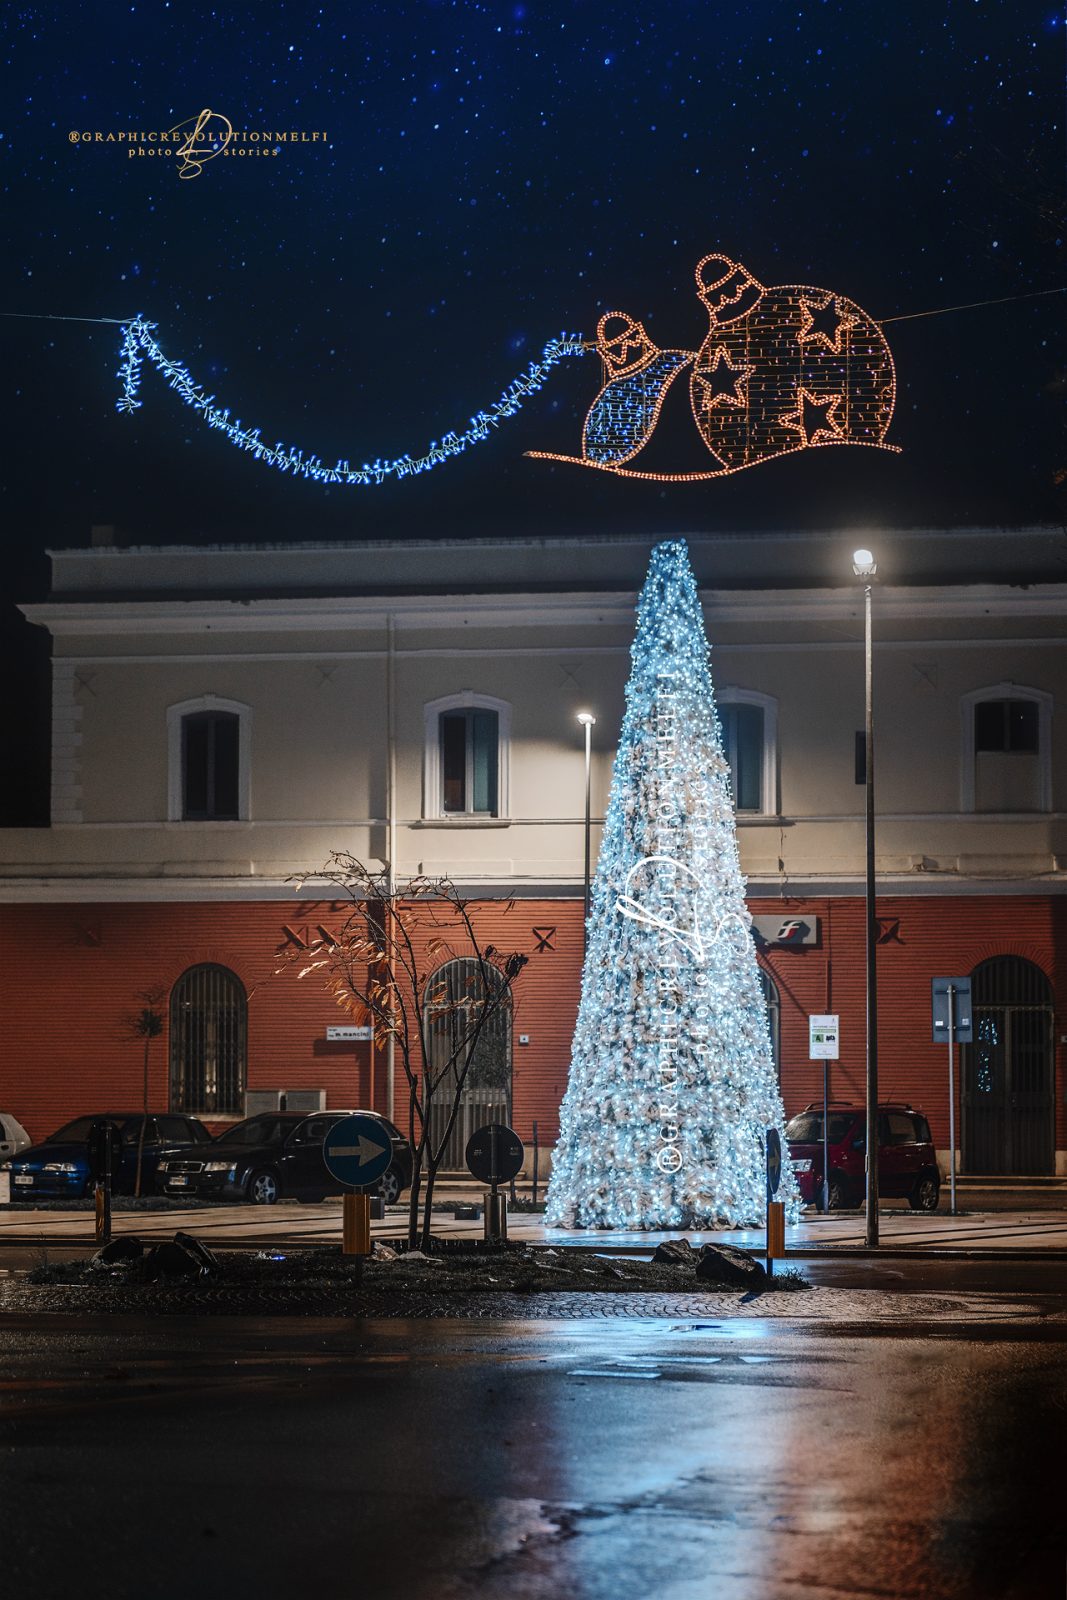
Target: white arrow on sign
366, 1150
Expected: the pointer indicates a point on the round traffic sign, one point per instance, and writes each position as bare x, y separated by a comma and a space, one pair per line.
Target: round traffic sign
494, 1154
357, 1150
774, 1161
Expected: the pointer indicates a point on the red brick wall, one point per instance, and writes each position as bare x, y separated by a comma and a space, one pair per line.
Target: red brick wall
71, 973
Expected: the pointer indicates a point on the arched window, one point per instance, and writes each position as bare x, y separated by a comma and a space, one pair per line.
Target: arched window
453, 993
467, 756
1006, 749
749, 724
208, 1042
209, 746
772, 1000
1009, 1105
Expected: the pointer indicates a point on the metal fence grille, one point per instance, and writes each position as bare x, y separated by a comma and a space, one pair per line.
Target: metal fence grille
486, 1093
208, 1031
1008, 1076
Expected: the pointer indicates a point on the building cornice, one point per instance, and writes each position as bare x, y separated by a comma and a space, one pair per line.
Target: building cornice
88, 618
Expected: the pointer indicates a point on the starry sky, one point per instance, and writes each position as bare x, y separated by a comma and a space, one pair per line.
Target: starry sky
492, 175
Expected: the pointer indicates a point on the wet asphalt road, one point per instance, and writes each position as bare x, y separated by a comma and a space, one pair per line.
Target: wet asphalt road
737, 1460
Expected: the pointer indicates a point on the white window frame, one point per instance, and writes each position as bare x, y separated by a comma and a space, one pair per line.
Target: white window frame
175, 716
769, 772
1006, 691
432, 795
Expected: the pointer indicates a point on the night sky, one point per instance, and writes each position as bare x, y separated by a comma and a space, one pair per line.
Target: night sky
493, 175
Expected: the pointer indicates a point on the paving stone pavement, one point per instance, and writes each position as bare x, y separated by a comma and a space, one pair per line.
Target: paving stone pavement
860, 1309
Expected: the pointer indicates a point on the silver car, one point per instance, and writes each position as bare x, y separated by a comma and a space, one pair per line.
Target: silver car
13, 1136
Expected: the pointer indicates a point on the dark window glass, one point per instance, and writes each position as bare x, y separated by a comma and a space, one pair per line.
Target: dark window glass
260, 1130
175, 1130
899, 1128
922, 1130
210, 744
861, 758
470, 761
742, 737
75, 1132
131, 1131
1006, 725
454, 760
807, 1128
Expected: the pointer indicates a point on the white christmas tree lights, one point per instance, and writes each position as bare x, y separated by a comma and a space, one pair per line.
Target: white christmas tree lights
672, 1082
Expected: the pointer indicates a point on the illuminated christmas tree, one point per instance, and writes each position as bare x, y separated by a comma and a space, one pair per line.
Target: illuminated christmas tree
672, 1081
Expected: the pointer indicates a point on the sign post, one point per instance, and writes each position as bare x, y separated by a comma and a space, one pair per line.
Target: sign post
824, 1044
357, 1151
775, 1208
494, 1156
951, 1006
105, 1152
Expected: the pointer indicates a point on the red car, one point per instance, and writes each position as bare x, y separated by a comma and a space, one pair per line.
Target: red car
907, 1161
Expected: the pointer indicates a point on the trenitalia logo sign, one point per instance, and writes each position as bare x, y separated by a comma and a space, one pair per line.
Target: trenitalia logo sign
785, 932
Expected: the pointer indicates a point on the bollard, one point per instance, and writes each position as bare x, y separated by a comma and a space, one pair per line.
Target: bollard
355, 1224
496, 1217
775, 1234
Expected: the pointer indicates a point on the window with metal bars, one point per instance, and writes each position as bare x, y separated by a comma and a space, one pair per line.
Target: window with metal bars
208, 1042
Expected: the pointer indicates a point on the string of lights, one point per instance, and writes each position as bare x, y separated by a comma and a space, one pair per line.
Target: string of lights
672, 1083
139, 344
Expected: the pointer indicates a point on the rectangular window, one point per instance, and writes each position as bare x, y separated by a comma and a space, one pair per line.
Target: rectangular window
210, 756
742, 738
470, 762
1006, 725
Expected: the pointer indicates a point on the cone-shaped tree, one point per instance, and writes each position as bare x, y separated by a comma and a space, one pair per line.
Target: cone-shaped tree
672, 1081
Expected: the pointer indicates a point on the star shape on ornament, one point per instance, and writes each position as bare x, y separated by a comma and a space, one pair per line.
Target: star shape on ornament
826, 322
723, 382
814, 417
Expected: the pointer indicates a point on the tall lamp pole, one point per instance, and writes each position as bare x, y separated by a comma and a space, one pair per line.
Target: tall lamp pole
588, 722
865, 567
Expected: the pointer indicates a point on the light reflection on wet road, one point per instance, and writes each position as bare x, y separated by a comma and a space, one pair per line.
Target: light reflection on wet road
439, 1460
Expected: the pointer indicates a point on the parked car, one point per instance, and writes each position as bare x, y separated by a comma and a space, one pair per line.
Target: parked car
907, 1161
276, 1153
58, 1169
13, 1137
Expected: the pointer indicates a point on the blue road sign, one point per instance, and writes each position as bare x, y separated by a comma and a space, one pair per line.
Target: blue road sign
357, 1151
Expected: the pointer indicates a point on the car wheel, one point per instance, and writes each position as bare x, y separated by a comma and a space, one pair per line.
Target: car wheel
263, 1188
926, 1193
389, 1186
840, 1194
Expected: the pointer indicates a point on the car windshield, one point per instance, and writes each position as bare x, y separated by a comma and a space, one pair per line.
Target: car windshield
807, 1128
76, 1132
257, 1130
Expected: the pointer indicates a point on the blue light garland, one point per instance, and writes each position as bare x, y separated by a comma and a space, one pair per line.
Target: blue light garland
138, 342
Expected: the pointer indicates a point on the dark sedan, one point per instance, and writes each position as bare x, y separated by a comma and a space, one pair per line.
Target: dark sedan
277, 1153
58, 1169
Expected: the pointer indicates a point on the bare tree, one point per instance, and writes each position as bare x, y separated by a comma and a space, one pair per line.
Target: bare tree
146, 1024
381, 967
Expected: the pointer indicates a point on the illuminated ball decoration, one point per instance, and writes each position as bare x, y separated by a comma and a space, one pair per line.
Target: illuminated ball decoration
781, 369
672, 1081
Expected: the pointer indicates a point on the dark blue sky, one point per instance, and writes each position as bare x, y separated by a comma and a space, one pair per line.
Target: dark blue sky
494, 174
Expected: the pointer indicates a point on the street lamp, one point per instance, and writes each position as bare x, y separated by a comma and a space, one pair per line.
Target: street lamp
588, 722
865, 567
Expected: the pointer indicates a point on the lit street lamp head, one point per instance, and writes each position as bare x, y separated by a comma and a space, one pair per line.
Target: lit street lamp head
587, 719
863, 563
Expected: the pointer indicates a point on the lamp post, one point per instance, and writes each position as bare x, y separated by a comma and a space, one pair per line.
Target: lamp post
588, 722
865, 567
